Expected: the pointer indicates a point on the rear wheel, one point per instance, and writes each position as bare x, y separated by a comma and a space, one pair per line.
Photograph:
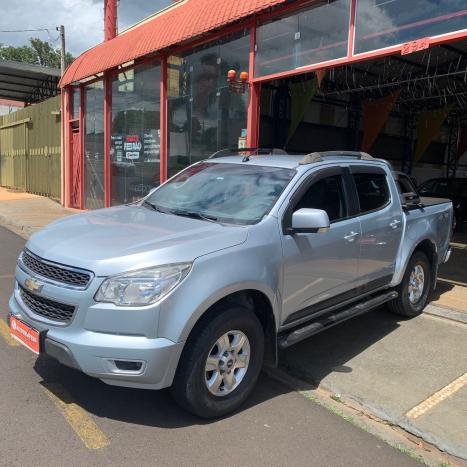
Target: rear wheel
415, 287
220, 364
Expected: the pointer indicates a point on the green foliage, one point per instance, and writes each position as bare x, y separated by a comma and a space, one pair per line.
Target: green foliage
37, 53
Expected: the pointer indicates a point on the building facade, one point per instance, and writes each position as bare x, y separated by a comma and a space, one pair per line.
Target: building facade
143, 105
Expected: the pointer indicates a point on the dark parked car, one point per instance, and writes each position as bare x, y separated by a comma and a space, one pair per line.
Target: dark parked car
454, 189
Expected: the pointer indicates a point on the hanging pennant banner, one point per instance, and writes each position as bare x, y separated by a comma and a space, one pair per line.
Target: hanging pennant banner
301, 95
429, 124
320, 74
375, 116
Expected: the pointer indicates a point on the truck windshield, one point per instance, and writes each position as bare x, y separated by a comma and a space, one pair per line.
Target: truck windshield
228, 193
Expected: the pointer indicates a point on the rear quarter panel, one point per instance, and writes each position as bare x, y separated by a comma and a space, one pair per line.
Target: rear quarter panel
433, 222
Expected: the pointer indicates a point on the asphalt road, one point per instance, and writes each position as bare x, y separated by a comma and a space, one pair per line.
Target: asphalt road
138, 427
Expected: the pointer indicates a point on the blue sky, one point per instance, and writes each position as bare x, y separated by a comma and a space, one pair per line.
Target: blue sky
83, 20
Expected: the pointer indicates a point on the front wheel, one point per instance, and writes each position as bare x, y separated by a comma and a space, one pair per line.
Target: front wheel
415, 287
220, 364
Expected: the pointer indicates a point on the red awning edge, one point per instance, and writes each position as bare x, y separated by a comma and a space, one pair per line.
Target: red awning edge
179, 24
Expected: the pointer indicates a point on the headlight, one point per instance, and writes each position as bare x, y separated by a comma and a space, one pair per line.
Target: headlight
142, 287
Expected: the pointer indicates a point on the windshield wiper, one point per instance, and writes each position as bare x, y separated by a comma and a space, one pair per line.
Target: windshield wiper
181, 212
154, 207
195, 215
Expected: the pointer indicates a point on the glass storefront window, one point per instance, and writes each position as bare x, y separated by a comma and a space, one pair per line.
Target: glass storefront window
316, 34
382, 24
94, 146
135, 138
76, 103
204, 115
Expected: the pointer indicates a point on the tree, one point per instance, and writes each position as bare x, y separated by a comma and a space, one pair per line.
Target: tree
38, 53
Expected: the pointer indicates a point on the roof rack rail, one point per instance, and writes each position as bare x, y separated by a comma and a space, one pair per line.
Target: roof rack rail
319, 156
252, 152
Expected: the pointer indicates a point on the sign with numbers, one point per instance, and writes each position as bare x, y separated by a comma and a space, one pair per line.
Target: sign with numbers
415, 46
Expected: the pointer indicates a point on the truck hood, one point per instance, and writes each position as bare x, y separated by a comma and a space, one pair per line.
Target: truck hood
115, 240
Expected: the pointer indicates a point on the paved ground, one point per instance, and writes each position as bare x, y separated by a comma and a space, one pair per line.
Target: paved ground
391, 366
26, 213
452, 286
387, 365
45, 408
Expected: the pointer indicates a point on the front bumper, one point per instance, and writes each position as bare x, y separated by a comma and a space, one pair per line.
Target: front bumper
96, 353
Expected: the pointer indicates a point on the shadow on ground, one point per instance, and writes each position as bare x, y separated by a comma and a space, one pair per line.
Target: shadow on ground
441, 288
135, 406
329, 352
454, 269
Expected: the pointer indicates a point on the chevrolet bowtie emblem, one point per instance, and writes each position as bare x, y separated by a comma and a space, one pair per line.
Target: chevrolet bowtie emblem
33, 286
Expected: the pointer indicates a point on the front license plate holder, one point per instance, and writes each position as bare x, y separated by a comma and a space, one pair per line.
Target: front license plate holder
25, 334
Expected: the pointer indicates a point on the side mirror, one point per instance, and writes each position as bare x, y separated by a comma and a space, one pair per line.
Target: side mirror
309, 221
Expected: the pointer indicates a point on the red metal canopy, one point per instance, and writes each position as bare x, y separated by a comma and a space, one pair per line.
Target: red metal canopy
188, 20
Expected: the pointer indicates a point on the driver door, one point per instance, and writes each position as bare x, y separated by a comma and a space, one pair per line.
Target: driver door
320, 268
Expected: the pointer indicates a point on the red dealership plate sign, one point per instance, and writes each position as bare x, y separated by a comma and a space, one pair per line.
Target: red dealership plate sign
25, 334
415, 46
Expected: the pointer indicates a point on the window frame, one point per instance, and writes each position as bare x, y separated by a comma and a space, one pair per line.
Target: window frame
308, 182
365, 169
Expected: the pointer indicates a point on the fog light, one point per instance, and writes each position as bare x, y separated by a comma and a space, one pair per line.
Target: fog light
134, 367
124, 365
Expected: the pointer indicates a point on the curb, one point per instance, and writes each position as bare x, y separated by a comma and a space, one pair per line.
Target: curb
396, 433
446, 313
458, 246
24, 231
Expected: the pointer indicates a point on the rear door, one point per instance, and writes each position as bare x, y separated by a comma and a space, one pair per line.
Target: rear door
319, 268
381, 221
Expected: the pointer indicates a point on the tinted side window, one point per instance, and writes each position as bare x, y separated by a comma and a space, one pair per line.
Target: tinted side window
326, 194
372, 189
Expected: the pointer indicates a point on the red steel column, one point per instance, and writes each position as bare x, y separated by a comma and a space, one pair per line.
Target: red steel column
253, 116
68, 144
107, 135
64, 154
164, 127
82, 132
110, 19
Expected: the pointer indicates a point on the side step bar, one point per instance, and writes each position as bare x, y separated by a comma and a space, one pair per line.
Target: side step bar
329, 320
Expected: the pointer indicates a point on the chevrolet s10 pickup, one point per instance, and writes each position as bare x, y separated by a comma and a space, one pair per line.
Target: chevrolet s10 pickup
202, 282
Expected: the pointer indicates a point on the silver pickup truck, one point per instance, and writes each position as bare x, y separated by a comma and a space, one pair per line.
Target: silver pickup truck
203, 281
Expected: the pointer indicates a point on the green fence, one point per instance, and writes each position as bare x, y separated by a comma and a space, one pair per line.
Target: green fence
30, 149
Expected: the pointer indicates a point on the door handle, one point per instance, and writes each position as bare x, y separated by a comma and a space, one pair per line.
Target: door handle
351, 237
394, 224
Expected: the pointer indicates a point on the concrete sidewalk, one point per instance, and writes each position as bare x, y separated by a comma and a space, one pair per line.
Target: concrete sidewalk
412, 373
390, 367
25, 213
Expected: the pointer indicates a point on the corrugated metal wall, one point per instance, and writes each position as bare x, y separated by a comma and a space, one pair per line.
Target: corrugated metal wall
30, 149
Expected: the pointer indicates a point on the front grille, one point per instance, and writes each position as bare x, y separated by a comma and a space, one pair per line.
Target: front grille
54, 272
47, 308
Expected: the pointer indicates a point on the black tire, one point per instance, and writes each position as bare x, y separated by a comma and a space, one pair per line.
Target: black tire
190, 390
402, 305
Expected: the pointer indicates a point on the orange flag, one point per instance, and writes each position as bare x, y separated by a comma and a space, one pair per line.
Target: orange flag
320, 74
375, 116
429, 124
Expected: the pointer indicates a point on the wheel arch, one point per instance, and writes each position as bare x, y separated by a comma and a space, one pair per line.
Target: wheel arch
259, 303
427, 246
